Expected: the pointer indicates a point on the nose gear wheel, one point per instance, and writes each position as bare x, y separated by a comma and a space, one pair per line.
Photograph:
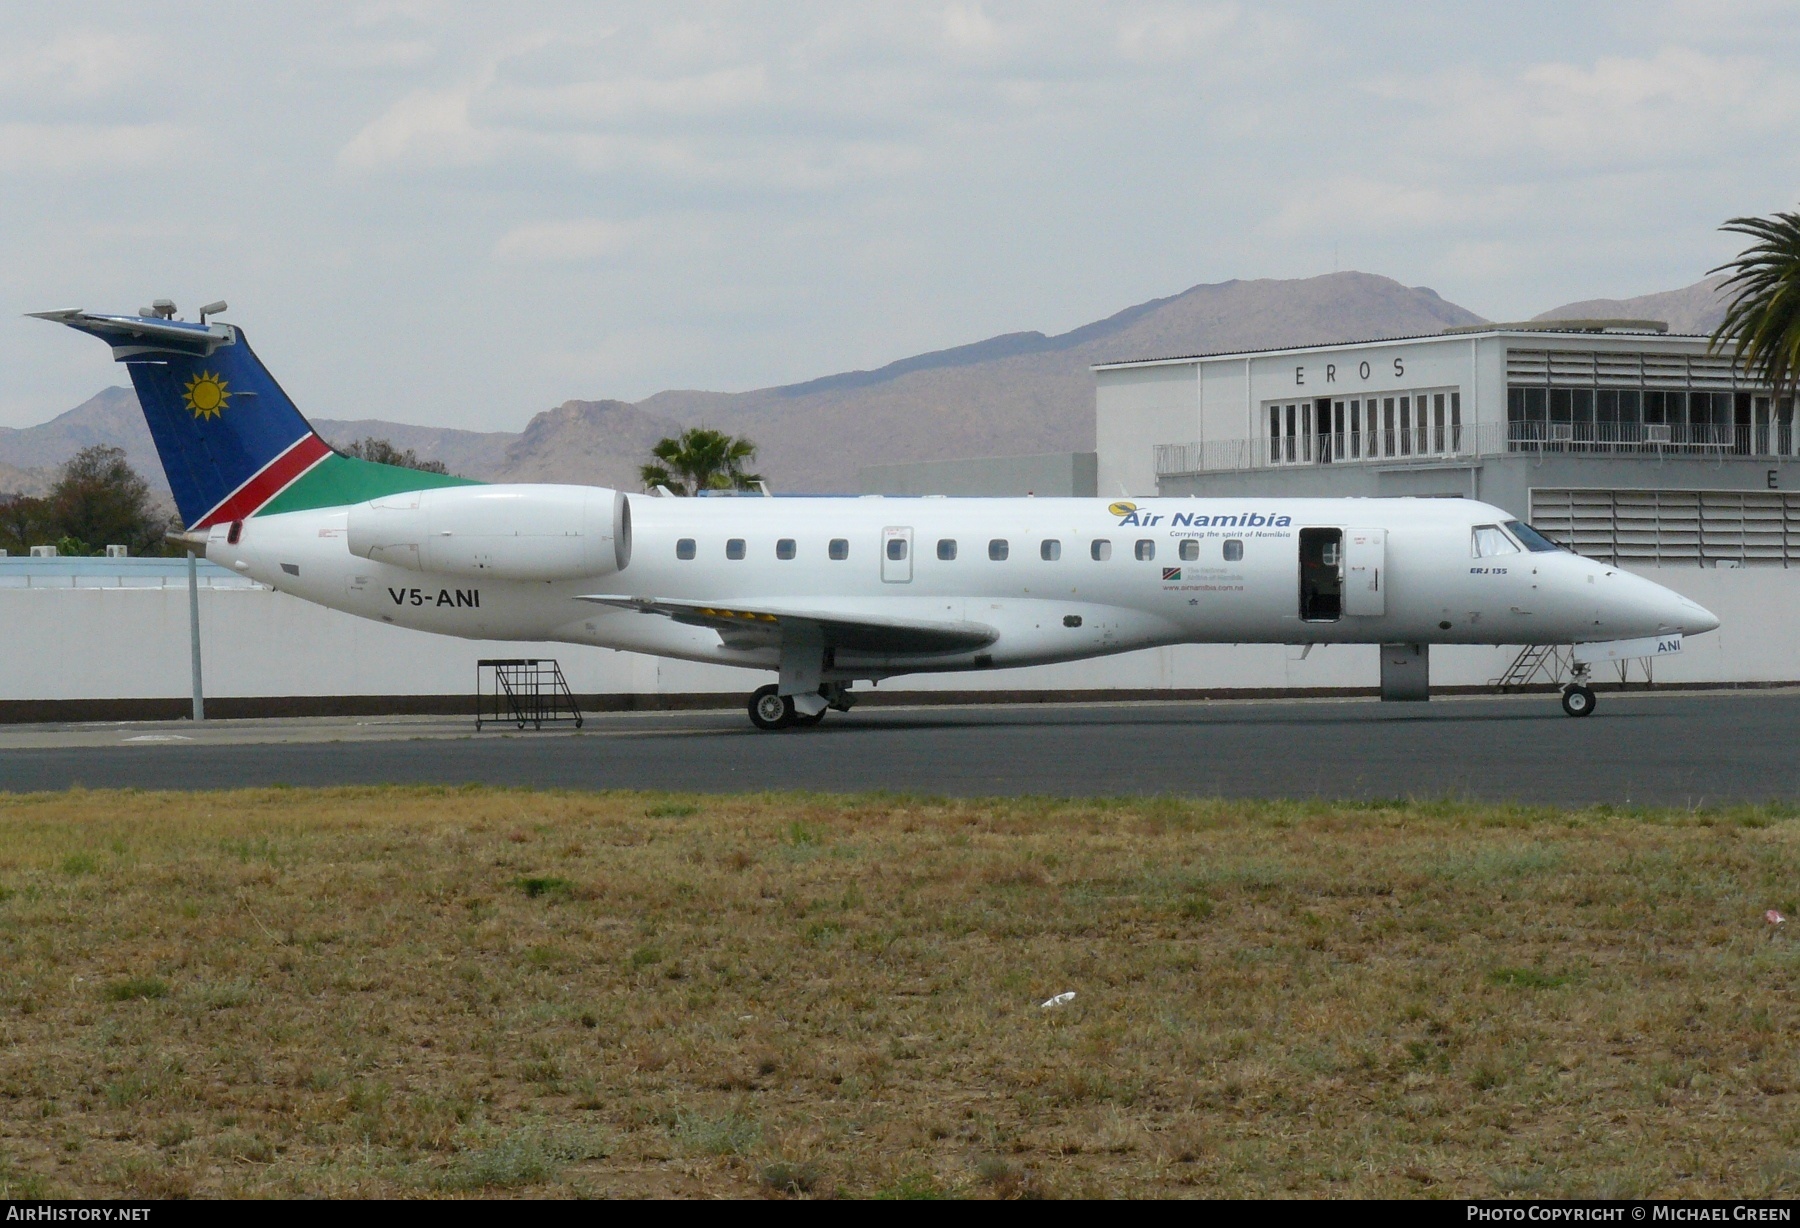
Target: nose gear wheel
1578, 700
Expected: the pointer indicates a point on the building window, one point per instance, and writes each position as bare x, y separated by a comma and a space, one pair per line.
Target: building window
684, 549
1146, 550
734, 549
1101, 549
1234, 550
947, 549
839, 549
784, 549
1050, 550
1417, 423
997, 550
1190, 550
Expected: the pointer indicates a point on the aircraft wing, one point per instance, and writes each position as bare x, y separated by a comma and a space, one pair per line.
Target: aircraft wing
758, 624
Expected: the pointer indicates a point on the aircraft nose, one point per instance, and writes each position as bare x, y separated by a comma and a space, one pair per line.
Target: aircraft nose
1647, 608
1694, 618
1677, 613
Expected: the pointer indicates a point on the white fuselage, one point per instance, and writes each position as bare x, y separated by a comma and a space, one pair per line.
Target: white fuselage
1211, 571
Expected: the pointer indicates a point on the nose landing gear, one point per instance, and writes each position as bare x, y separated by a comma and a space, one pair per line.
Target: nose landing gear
1578, 696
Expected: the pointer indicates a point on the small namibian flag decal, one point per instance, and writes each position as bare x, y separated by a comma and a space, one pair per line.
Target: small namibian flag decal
1171, 573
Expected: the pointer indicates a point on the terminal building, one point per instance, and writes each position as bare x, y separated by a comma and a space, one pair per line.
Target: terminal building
1625, 442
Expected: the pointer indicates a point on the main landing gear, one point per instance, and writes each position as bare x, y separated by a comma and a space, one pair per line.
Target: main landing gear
770, 709
1578, 696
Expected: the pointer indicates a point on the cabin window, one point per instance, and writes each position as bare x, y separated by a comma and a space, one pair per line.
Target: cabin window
1190, 550
1146, 550
998, 550
1050, 550
1234, 550
1101, 550
1489, 541
947, 549
784, 549
684, 549
896, 548
734, 549
839, 549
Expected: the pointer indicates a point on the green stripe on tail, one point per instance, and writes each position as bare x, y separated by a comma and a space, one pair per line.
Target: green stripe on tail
338, 481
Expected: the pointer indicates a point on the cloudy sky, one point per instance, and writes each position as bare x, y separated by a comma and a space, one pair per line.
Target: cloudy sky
463, 214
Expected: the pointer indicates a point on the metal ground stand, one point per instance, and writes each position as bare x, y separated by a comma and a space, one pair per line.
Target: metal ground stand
524, 692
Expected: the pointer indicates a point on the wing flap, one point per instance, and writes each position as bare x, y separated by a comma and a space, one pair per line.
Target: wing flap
756, 624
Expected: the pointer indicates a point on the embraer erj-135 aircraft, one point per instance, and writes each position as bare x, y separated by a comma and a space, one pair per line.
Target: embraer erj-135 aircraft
831, 591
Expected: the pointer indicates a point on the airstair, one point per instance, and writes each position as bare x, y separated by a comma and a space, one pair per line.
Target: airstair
1535, 662
523, 692
1548, 663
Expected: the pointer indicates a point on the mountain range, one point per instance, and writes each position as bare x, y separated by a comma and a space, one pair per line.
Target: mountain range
1015, 394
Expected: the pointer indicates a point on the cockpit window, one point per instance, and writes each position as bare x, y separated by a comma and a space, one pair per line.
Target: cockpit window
1533, 541
1490, 541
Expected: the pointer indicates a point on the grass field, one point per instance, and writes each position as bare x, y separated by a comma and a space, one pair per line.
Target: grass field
427, 992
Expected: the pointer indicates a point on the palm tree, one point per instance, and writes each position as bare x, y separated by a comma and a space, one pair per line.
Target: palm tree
1763, 321
700, 459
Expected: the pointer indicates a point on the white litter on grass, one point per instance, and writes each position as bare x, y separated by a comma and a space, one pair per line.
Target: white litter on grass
1061, 999
160, 737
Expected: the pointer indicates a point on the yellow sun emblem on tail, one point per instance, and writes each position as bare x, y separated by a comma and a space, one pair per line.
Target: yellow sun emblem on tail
207, 395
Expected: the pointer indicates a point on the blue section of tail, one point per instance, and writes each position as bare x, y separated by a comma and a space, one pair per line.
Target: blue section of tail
208, 455
218, 417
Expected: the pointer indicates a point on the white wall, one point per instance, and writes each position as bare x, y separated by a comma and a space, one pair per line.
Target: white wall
1134, 410
101, 643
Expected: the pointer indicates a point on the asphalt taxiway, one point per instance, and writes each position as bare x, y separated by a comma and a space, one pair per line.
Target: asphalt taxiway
1665, 749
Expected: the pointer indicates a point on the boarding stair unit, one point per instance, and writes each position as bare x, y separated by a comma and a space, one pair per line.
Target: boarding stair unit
1535, 662
521, 692
1549, 664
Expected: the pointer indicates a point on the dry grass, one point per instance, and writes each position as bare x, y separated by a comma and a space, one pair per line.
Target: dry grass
429, 992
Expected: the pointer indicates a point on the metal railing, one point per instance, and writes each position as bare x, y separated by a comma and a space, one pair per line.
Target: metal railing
1432, 445
526, 691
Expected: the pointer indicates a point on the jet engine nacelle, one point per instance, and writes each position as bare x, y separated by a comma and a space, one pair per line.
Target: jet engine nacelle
500, 532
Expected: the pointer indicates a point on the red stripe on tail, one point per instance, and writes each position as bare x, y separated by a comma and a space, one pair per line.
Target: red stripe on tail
270, 481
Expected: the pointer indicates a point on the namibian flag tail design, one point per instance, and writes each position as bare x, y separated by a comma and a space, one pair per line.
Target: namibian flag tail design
231, 442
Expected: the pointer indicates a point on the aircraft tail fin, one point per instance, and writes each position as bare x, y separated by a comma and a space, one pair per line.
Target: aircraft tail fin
231, 441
